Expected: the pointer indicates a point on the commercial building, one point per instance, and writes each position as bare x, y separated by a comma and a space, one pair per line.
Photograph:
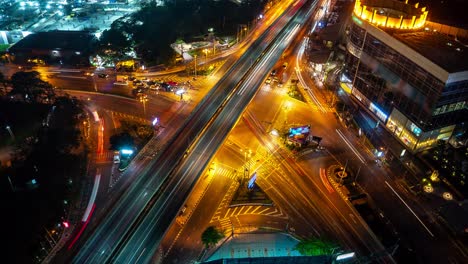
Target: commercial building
54, 47
412, 74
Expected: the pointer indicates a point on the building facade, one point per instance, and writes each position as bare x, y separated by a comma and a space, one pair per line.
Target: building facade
412, 78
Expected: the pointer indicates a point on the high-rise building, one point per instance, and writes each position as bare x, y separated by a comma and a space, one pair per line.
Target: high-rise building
411, 73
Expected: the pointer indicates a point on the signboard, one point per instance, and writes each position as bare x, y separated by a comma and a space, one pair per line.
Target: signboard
251, 183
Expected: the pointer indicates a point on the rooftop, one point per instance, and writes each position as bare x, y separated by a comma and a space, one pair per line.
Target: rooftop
55, 40
439, 48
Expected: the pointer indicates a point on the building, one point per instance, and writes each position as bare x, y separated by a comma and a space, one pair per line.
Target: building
54, 47
410, 73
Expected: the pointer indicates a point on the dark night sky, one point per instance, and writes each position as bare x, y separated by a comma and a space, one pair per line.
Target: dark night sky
451, 12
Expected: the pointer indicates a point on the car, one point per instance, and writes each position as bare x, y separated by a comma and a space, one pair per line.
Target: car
273, 72
154, 87
268, 81
131, 78
103, 75
172, 83
117, 158
182, 211
285, 65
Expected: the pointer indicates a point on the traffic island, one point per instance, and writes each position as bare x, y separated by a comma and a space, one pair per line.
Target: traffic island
343, 182
249, 192
123, 165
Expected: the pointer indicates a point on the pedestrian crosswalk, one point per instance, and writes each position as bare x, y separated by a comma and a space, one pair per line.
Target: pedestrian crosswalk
254, 210
226, 225
104, 156
188, 81
223, 171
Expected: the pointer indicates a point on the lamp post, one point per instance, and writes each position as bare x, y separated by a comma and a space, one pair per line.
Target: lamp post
195, 56
206, 54
11, 132
357, 174
143, 99
247, 156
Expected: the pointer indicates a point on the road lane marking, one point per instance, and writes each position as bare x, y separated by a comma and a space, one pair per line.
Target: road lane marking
409, 208
325, 181
353, 149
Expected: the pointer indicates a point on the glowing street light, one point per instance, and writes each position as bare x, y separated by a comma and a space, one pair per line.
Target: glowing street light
247, 156
143, 99
11, 132
155, 121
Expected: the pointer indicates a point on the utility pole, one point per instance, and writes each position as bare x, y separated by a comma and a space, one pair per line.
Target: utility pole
357, 174
195, 65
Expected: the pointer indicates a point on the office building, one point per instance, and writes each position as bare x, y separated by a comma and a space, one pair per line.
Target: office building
412, 74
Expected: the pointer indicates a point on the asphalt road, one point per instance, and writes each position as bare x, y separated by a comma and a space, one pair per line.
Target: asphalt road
144, 240
139, 194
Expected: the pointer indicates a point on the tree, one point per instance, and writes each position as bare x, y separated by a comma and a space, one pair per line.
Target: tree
315, 247
3, 81
211, 236
29, 84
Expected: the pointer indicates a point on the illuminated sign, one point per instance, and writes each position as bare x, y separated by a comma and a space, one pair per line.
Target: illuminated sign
345, 256
251, 183
416, 130
127, 151
299, 130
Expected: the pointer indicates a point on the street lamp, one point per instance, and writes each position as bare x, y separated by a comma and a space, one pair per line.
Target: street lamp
11, 132
247, 156
195, 56
143, 99
206, 54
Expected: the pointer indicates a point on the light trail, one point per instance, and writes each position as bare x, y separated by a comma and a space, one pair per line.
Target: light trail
353, 149
303, 83
409, 208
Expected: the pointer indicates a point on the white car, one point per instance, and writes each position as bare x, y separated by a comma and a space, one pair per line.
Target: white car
116, 158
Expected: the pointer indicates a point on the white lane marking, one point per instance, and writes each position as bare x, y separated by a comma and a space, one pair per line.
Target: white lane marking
351, 146
409, 208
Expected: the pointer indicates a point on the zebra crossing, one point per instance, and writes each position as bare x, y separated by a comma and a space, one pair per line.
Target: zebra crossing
254, 210
104, 156
225, 172
137, 118
226, 225
199, 82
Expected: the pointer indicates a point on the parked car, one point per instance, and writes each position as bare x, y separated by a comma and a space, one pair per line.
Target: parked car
154, 87
103, 75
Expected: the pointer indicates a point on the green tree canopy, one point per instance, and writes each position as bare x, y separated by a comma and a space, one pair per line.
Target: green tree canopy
3, 81
315, 247
211, 236
154, 27
29, 85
